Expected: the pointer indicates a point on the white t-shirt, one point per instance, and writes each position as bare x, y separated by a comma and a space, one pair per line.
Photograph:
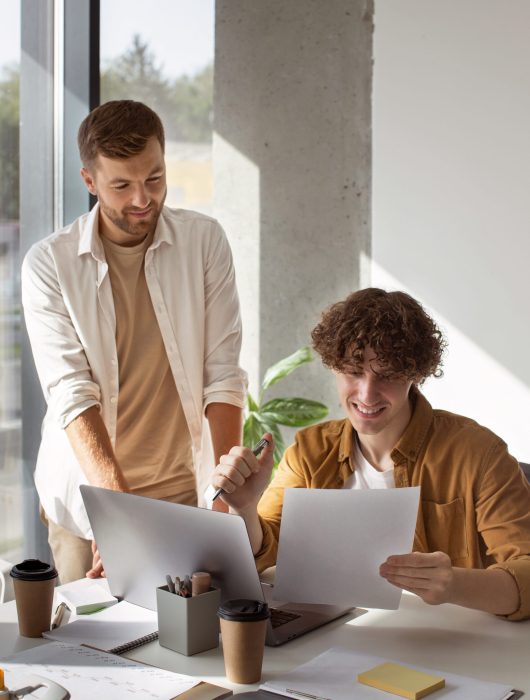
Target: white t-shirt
367, 477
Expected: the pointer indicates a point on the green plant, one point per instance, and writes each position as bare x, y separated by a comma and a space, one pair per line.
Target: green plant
292, 412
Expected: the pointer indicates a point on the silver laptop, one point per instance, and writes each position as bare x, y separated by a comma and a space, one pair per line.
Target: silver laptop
142, 539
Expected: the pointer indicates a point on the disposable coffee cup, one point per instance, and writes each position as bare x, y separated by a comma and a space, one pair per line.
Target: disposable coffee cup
243, 630
33, 582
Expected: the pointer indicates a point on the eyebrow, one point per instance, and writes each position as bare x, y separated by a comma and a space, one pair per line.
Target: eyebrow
122, 180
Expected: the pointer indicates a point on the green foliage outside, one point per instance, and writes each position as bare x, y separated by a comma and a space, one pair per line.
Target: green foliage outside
263, 417
184, 104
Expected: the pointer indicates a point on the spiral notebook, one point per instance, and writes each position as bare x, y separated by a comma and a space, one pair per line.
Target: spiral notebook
117, 629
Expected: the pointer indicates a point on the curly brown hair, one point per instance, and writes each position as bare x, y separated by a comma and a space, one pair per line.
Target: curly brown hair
405, 339
118, 129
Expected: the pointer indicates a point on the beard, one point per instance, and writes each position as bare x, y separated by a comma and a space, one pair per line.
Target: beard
137, 229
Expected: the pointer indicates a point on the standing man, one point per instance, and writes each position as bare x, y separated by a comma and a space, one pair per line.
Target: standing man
472, 541
133, 317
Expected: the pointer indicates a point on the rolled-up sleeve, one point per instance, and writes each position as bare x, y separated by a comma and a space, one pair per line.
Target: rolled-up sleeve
224, 381
503, 519
60, 359
290, 474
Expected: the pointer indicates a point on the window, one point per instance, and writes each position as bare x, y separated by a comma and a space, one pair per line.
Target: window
11, 528
168, 65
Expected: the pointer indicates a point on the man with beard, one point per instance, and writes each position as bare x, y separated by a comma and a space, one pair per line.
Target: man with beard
133, 317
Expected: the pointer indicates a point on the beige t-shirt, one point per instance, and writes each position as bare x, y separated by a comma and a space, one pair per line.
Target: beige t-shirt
153, 443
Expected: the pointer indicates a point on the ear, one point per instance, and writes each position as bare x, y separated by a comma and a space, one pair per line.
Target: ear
89, 181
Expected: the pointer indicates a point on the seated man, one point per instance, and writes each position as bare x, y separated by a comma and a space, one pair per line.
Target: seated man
472, 541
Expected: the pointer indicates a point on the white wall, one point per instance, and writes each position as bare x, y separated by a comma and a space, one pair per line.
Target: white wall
451, 183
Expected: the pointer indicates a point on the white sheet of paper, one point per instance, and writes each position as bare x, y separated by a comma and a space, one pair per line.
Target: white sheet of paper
338, 539
333, 674
88, 674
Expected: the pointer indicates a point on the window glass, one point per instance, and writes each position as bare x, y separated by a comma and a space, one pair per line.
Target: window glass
161, 53
10, 421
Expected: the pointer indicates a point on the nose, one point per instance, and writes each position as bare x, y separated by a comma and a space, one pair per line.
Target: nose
140, 198
367, 391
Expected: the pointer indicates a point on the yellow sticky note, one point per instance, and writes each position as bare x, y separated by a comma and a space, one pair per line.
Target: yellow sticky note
401, 680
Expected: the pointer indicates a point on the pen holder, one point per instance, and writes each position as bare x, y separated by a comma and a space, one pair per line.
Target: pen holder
188, 625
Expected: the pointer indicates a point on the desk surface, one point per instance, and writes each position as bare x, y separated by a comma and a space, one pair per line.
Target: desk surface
445, 637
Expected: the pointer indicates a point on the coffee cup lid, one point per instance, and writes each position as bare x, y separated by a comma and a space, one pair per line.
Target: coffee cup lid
33, 570
243, 610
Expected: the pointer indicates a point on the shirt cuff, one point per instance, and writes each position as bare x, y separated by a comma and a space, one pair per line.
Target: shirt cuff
208, 495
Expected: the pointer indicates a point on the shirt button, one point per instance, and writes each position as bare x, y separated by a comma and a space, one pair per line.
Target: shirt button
114, 399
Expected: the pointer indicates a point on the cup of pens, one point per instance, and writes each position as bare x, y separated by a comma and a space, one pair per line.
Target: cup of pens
187, 613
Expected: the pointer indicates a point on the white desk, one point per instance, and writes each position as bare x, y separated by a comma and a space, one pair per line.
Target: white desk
445, 637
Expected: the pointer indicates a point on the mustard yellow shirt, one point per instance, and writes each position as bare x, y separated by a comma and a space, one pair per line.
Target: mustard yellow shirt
475, 500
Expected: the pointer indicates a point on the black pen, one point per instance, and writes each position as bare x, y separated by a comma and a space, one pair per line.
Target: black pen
256, 452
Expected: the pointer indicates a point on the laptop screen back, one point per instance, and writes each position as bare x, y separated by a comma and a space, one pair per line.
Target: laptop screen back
142, 539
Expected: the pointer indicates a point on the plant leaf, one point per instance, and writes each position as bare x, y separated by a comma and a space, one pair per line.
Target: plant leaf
294, 412
252, 405
252, 430
284, 367
279, 445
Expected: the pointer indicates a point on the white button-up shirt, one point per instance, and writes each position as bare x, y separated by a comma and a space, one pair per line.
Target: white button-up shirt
69, 312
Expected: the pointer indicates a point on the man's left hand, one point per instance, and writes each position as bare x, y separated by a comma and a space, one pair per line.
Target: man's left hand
430, 576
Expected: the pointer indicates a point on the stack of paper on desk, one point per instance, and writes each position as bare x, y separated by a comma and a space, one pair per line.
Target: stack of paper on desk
333, 674
118, 628
85, 596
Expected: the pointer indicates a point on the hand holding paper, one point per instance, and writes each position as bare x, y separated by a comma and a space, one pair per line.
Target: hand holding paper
429, 576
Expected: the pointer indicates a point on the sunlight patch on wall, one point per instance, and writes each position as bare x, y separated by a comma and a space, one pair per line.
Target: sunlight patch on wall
474, 384
242, 226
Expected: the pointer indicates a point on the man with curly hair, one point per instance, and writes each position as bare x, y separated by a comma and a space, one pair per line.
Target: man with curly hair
472, 540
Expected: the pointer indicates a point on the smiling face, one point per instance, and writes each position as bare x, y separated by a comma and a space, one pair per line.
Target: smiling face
375, 405
131, 193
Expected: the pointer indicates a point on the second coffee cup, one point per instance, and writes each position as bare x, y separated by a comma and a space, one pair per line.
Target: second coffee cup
33, 583
243, 630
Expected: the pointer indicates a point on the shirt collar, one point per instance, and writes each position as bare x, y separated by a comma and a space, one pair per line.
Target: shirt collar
410, 443
90, 242
347, 440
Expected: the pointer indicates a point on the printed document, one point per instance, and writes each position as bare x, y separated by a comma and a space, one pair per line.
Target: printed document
88, 673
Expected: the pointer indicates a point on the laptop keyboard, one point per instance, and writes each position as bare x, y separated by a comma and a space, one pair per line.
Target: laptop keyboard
280, 617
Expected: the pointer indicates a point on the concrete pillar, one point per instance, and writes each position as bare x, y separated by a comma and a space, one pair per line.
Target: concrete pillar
292, 168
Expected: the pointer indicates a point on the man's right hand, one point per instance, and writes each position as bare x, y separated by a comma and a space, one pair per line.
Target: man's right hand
243, 477
97, 570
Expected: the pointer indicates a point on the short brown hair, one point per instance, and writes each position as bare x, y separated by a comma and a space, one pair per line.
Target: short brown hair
405, 339
118, 129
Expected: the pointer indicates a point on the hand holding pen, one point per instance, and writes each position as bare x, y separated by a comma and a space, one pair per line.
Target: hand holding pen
241, 478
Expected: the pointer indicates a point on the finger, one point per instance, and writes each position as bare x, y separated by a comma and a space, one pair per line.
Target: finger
419, 572
411, 583
238, 463
96, 571
245, 456
414, 559
228, 480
